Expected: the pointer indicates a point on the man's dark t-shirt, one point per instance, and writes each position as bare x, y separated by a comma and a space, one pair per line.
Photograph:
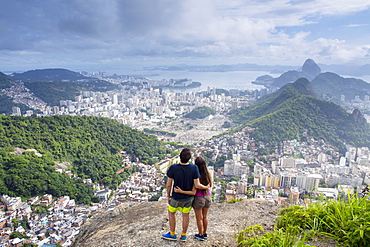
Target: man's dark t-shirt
183, 176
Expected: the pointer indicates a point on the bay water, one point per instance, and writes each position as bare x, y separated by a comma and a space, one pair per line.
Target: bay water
241, 80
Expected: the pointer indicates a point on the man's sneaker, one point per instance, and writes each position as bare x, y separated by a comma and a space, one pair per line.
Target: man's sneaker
183, 238
199, 237
205, 236
168, 236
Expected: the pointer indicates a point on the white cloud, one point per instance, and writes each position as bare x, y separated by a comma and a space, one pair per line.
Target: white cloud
321, 50
111, 60
357, 25
339, 7
112, 31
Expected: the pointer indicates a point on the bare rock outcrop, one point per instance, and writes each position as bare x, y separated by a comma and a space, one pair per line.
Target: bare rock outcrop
311, 68
141, 224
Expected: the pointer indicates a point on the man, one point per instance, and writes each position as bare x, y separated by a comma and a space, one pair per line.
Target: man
186, 176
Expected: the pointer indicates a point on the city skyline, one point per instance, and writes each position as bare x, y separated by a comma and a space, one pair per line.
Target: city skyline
95, 35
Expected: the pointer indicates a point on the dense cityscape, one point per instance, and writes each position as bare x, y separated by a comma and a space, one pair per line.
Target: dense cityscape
286, 175
99, 98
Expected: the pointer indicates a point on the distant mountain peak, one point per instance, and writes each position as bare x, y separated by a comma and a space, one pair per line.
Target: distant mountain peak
309, 70
311, 67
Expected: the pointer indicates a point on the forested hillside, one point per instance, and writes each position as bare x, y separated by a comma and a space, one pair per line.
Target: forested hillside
29, 175
5, 81
293, 110
92, 145
200, 112
330, 86
48, 75
53, 85
53, 92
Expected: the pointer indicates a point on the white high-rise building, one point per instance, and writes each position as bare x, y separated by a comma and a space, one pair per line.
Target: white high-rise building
228, 168
55, 109
286, 180
236, 157
322, 158
309, 182
364, 151
235, 168
288, 162
16, 111
115, 99
342, 161
351, 154
362, 160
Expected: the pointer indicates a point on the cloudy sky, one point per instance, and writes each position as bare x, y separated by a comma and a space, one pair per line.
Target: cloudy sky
94, 34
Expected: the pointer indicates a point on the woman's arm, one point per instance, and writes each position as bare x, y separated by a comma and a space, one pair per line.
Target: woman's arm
192, 192
200, 186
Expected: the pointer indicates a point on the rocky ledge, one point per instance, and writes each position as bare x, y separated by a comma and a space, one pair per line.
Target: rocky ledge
142, 224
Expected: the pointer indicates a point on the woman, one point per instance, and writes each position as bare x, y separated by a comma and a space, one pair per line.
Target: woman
202, 199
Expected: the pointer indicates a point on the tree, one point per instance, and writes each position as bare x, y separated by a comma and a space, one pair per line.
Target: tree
15, 223
226, 124
155, 197
15, 234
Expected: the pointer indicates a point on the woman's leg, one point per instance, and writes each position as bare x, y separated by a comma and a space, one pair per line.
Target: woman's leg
204, 219
199, 219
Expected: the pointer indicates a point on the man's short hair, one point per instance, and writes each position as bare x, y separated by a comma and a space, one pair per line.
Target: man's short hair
185, 155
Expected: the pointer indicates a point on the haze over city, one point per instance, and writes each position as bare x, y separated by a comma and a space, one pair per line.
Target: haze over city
98, 35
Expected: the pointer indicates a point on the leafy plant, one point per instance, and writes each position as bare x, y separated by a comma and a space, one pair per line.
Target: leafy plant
234, 200
255, 236
16, 234
348, 221
345, 221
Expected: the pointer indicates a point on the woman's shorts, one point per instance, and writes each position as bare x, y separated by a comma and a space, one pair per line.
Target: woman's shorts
202, 201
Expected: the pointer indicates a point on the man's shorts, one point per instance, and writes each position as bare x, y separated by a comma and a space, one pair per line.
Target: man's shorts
202, 201
183, 206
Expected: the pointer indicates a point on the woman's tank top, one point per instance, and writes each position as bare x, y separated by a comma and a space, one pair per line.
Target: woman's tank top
200, 192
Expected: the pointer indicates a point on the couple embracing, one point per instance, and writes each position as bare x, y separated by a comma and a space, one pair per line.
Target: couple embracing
190, 186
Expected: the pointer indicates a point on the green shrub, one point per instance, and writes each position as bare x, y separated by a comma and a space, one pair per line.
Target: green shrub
234, 200
254, 236
347, 222
300, 217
